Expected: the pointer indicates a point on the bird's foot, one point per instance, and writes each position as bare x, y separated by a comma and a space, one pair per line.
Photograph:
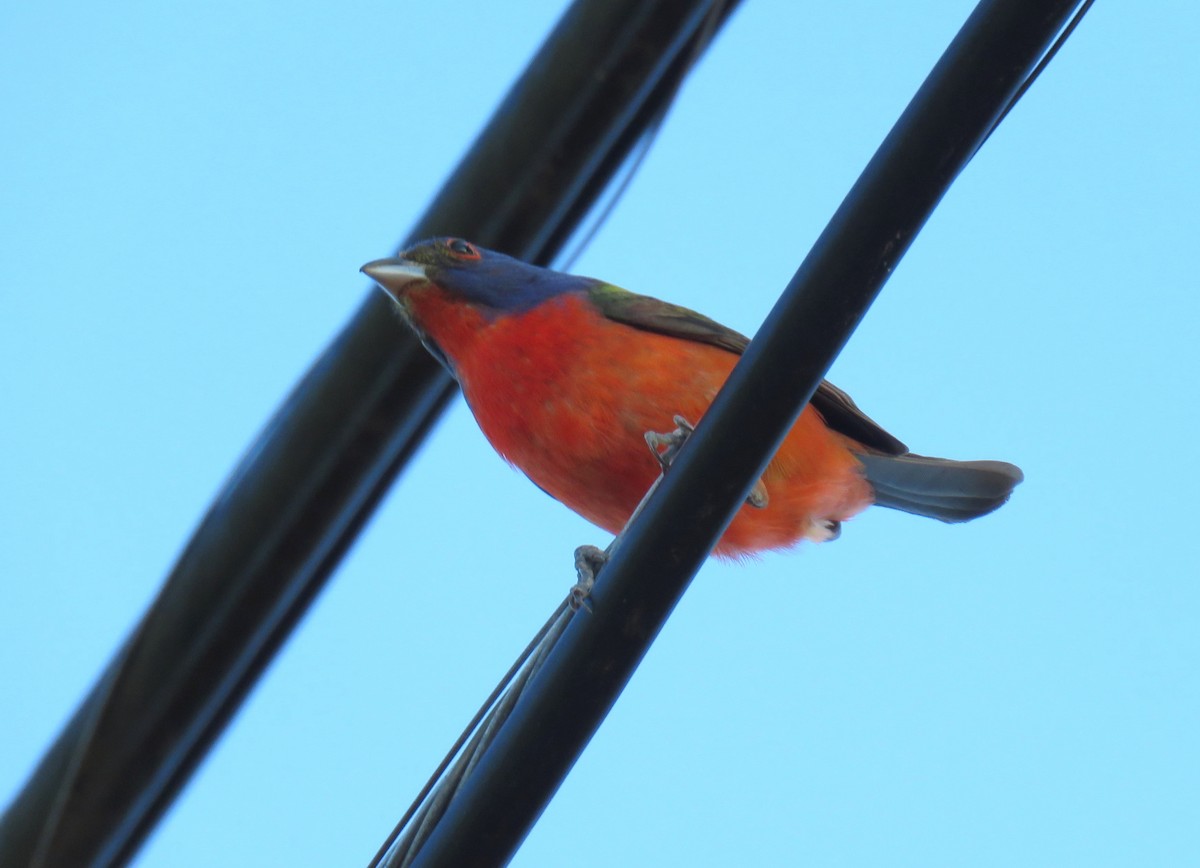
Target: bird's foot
757, 497
589, 560
665, 448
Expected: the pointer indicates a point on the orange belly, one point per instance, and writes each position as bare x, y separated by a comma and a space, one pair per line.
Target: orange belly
567, 396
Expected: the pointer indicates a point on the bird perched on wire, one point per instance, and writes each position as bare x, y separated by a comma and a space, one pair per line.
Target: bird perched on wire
567, 375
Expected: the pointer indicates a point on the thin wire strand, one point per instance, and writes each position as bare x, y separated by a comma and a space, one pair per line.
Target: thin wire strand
466, 733
1037, 70
431, 813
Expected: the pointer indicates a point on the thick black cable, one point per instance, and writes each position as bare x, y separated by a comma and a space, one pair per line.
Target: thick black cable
305, 487
546, 638
544, 641
565, 702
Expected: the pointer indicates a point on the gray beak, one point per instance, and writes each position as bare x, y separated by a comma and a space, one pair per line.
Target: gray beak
394, 274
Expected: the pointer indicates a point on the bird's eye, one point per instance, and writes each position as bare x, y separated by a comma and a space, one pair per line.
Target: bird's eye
462, 249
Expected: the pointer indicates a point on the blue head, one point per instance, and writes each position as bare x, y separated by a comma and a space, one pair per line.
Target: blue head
495, 283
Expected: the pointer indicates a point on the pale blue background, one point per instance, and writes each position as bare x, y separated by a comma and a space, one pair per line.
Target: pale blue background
188, 191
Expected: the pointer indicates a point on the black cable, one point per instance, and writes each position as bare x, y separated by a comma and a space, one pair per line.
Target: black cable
1037, 70
449, 785
956, 106
297, 500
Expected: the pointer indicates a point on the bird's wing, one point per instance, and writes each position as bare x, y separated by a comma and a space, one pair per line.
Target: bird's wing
652, 315
842, 415
641, 311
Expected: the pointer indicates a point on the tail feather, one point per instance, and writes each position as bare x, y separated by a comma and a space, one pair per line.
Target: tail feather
940, 488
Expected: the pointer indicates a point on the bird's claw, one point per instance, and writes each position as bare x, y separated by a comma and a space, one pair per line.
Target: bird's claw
757, 497
673, 442
589, 560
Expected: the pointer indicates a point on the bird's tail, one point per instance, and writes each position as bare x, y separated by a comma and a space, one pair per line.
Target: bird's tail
939, 487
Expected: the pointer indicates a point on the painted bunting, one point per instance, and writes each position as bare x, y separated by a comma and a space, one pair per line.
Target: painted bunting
566, 375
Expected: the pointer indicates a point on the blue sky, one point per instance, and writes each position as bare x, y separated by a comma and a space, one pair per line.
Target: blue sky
189, 190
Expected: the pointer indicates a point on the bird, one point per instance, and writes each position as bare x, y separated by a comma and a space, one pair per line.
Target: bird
569, 377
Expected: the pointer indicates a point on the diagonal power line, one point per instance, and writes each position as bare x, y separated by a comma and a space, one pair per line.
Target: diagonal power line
565, 701
297, 500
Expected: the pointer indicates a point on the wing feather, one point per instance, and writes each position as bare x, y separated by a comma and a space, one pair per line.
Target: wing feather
650, 314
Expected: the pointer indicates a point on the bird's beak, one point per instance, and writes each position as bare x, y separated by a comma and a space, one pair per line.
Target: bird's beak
394, 274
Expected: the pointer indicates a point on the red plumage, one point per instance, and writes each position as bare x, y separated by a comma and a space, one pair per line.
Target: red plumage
566, 375
567, 395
